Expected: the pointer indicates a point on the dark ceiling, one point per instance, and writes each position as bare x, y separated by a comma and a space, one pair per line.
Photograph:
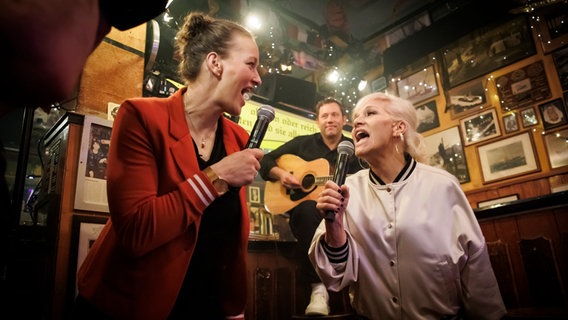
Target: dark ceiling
377, 36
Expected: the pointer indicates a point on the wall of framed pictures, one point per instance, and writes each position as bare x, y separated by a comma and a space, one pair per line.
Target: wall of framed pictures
501, 87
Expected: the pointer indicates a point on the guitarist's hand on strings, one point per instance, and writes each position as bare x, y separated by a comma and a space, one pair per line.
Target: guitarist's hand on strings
288, 180
333, 198
240, 168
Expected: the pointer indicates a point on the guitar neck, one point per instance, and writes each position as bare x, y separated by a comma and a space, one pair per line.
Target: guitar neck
321, 180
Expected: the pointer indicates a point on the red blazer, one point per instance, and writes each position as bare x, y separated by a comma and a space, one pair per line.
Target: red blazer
156, 196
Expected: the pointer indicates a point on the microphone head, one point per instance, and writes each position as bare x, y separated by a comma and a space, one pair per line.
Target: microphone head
345, 147
266, 111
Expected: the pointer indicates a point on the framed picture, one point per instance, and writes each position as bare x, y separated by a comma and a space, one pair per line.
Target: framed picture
523, 87
445, 150
553, 114
253, 194
497, 201
528, 117
379, 84
466, 99
480, 127
427, 116
507, 158
557, 148
487, 49
84, 231
510, 123
551, 26
560, 58
418, 86
90, 190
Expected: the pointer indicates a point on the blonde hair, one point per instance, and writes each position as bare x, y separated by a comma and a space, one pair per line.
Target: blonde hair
401, 110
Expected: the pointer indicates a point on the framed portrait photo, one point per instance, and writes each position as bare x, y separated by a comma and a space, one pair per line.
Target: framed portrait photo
510, 123
553, 114
418, 86
528, 117
427, 116
445, 150
90, 190
556, 144
480, 127
507, 158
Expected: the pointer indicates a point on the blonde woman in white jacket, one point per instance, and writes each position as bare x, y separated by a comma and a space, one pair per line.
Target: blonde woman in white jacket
404, 239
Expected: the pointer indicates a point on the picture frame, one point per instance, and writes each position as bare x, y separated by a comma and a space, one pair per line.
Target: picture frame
523, 87
497, 201
418, 86
379, 84
84, 231
466, 98
553, 114
480, 127
528, 117
486, 49
510, 123
551, 27
427, 116
90, 190
253, 194
560, 59
556, 144
508, 158
445, 151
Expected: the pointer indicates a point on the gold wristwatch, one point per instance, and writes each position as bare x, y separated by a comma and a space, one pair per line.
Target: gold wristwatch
220, 185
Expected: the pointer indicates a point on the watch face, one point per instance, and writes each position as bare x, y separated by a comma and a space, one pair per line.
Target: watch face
221, 185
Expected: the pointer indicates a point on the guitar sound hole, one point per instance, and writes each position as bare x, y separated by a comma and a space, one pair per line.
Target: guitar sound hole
308, 181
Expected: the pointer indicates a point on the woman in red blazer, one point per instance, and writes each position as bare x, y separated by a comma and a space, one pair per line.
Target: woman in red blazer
176, 243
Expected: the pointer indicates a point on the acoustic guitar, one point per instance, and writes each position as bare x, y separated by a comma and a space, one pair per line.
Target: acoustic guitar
312, 176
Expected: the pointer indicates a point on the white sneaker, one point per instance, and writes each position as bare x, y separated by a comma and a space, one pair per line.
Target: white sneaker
319, 301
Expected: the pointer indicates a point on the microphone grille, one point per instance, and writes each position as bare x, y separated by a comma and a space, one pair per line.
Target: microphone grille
345, 147
266, 111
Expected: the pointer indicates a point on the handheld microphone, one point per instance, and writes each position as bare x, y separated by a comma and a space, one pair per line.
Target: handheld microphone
265, 114
345, 150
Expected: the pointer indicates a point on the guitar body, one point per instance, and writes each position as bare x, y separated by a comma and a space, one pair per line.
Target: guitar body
311, 174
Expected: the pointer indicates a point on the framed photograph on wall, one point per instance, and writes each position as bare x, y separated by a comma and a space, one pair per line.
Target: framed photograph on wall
445, 150
84, 231
427, 116
560, 58
556, 144
510, 123
487, 49
90, 190
551, 26
507, 158
466, 99
418, 86
253, 194
528, 117
523, 87
553, 114
480, 127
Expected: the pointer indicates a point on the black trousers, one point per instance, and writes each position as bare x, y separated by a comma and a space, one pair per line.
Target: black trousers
304, 220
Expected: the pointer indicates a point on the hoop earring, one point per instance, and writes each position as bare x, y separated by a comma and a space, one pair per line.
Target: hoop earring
401, 137
396, 148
